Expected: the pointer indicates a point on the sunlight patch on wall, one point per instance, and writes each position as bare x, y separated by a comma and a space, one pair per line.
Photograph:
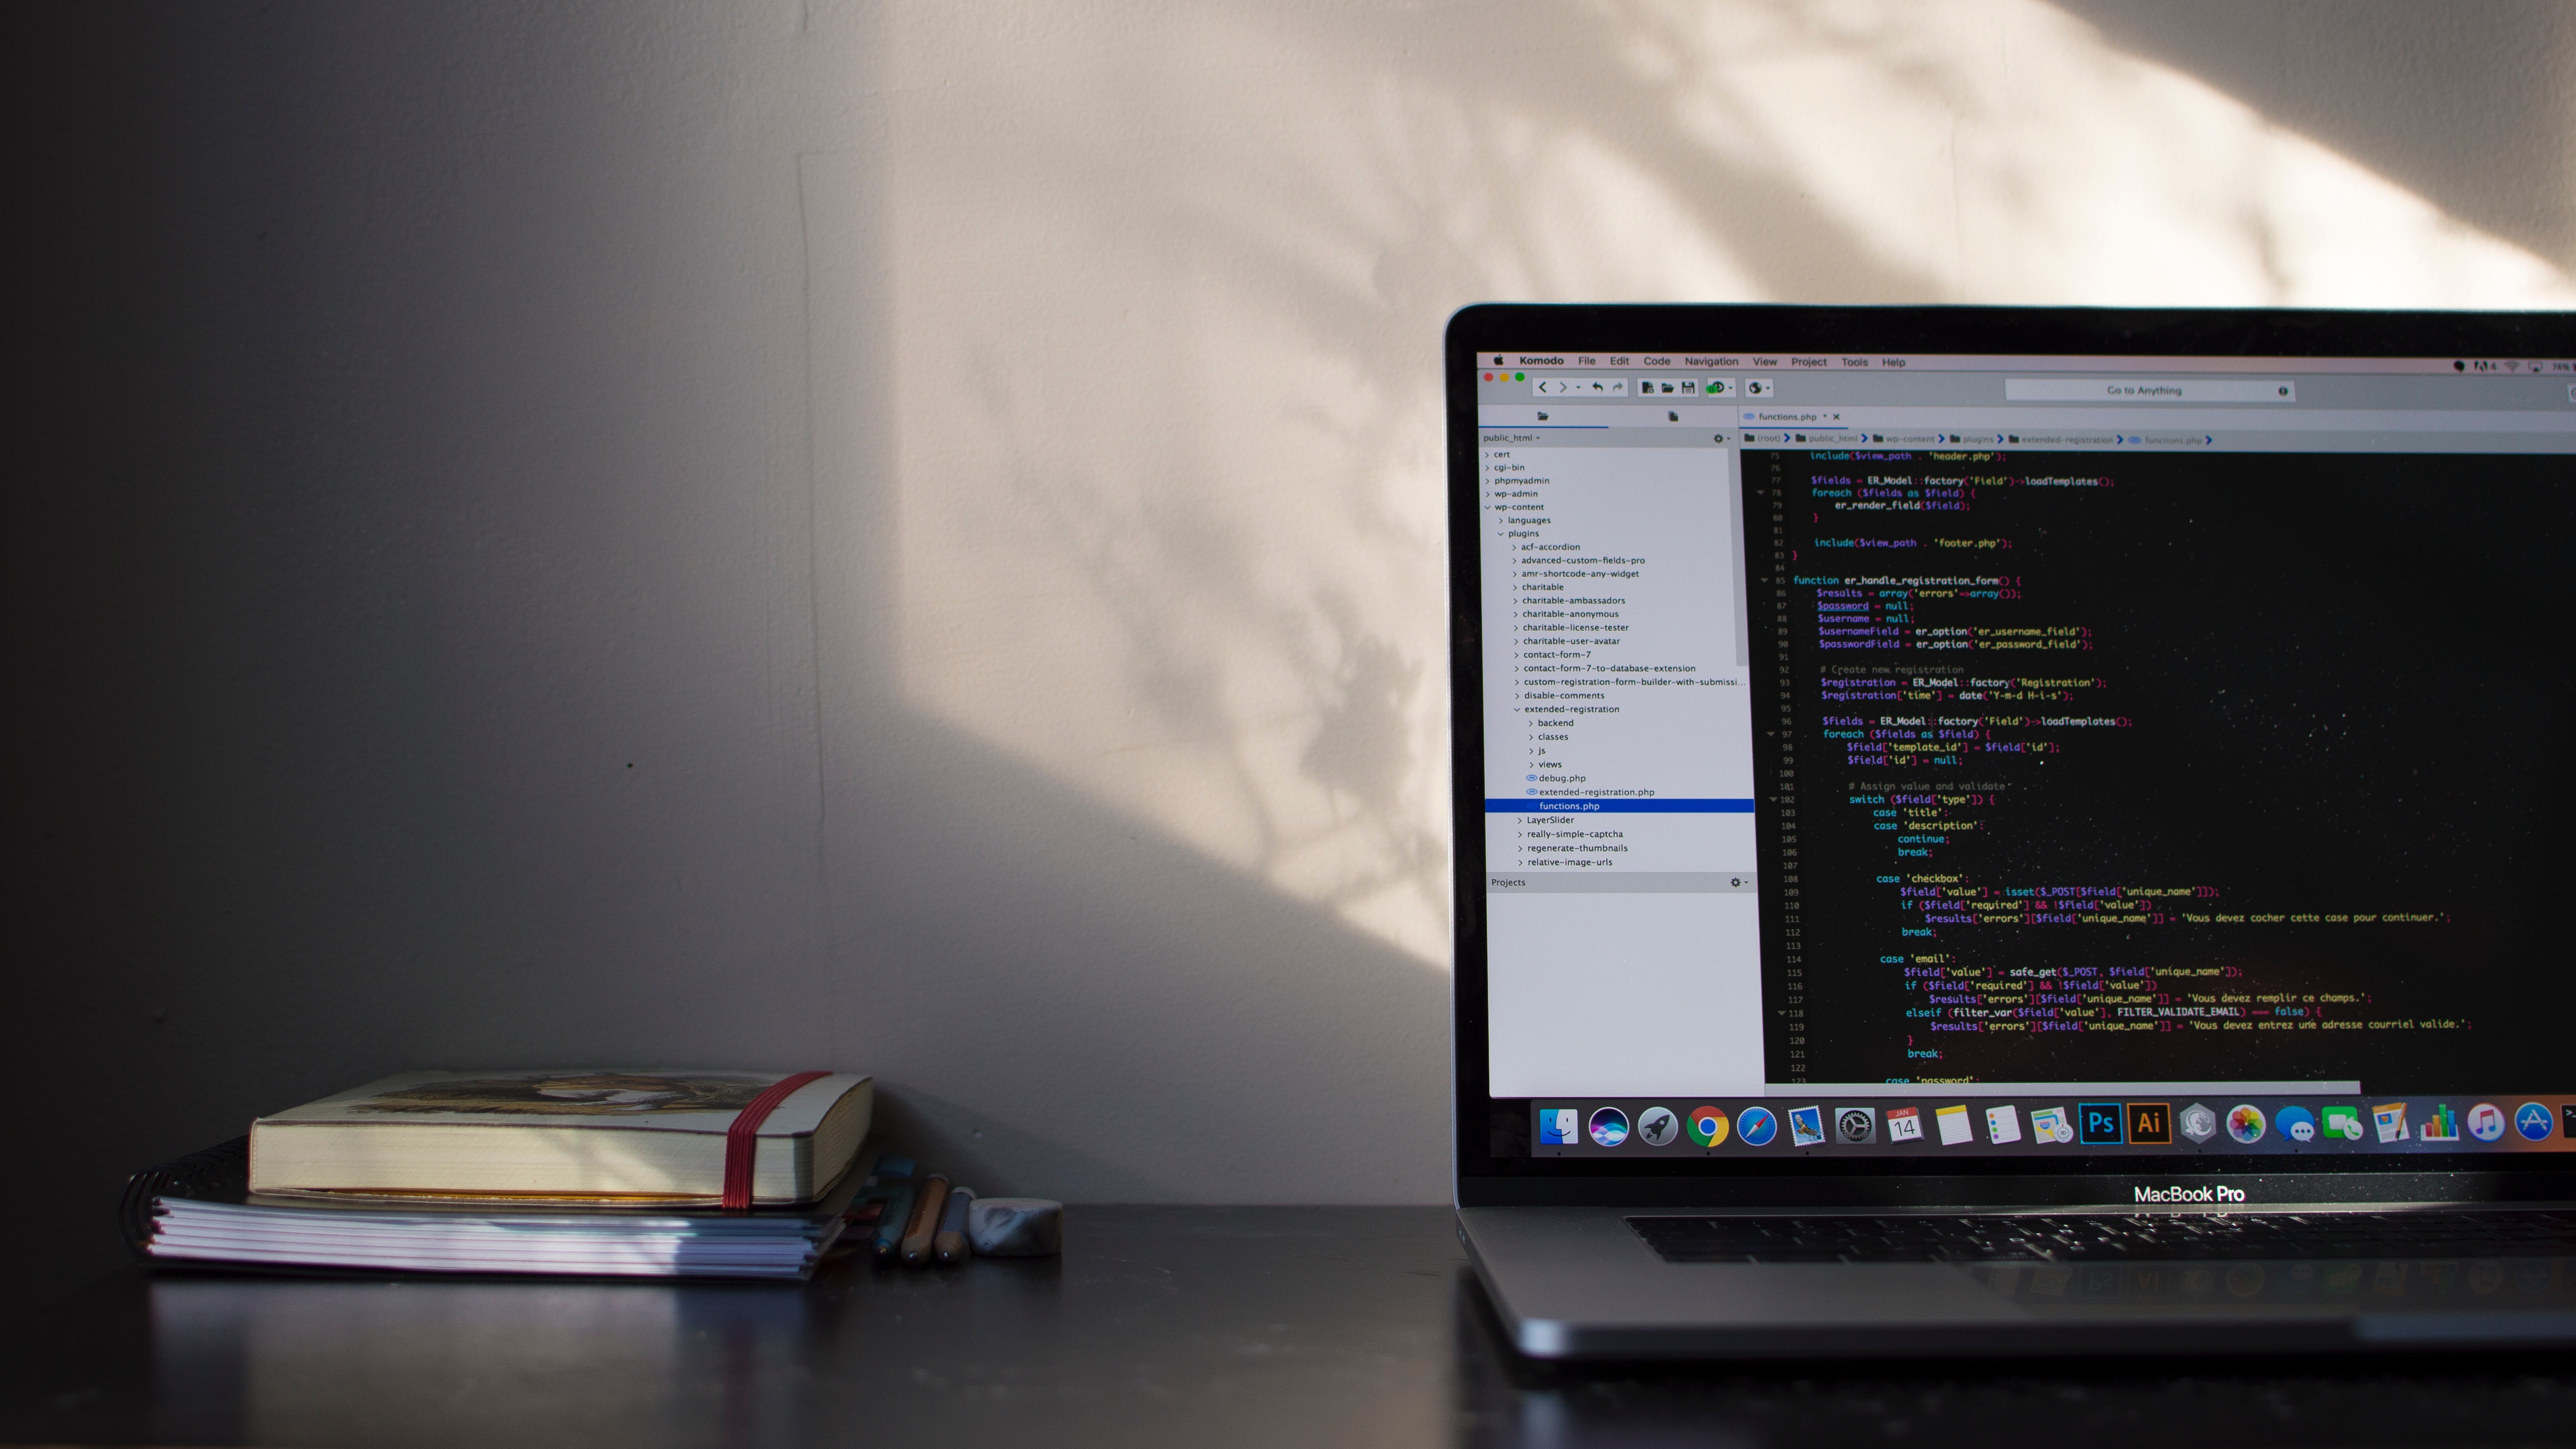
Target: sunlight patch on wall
1168, 284
2004, 153
1168, 309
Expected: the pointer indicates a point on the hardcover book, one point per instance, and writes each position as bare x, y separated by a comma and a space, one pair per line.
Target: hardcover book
622, 1135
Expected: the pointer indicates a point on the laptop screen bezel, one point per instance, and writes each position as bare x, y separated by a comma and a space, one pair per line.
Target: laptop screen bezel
1484, 1177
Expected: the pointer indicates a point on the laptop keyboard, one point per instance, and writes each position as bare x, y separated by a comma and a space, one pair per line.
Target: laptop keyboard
2108, 1237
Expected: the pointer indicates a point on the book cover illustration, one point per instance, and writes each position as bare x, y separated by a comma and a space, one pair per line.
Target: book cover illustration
663, 1099
578, 1093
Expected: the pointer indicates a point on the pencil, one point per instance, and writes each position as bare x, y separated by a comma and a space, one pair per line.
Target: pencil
890, 1224
949, 1246
925, 1220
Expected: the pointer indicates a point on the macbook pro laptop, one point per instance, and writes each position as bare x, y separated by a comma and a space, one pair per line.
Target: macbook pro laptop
1997, 831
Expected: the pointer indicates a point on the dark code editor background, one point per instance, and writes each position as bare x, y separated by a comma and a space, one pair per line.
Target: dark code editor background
2117, 768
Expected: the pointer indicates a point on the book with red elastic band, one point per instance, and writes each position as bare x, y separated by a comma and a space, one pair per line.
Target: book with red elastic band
657, 1173
659, 1135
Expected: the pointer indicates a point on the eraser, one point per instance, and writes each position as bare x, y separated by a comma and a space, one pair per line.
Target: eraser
1015, 1227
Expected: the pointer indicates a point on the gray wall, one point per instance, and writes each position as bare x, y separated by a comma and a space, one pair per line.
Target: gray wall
906, 537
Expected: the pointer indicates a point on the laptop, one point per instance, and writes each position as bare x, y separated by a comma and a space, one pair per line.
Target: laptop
2025, 832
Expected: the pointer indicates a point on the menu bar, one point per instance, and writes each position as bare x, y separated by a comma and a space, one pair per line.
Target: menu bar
1522, 362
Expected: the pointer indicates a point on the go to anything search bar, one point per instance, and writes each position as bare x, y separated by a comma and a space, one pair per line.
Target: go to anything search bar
2149, 390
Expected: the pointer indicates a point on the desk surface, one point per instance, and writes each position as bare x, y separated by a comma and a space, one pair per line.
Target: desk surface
1200, 1326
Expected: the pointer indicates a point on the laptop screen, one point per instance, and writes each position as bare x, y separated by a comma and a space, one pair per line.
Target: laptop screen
2053, 757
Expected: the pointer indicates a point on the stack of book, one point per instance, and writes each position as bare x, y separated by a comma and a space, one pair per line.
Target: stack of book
620, 1173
